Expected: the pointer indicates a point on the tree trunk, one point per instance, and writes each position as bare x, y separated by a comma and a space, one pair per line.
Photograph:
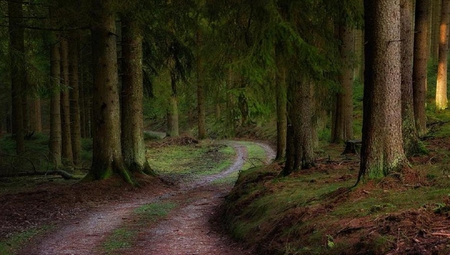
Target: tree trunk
411, 143
133, 147
67, 152
17, 51
420, 64
201, 107
35, 115
107, 157
342, 128
441, 87
300, 146
55, 106
74, 98
281, 99
172, 112
382, 143
434, 27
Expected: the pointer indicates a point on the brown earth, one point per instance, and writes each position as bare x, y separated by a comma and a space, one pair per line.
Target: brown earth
83, 215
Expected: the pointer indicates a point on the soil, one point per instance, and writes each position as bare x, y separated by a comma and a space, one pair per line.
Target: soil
83, 215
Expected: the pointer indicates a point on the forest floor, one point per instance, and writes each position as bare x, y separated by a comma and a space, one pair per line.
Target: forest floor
163, 216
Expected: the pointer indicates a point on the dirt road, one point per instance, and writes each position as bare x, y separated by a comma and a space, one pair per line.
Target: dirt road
186, 230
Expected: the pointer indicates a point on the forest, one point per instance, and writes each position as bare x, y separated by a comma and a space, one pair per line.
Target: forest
226, 127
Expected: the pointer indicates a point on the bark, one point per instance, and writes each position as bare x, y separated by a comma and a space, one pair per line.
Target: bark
74, 98
201, 107
434, 27
17, 51
411, 143
342, 128
172, 112
441, 87
35, 114
107, 151
382, 143
55, 106
281, 108
300, 146
133, 147
67, 152
420, 64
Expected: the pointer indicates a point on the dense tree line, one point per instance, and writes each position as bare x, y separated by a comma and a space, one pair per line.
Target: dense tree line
83, 69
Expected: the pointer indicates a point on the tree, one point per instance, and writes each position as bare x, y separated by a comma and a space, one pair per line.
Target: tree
133, 146
420, 64
342, 125
107, 157
74, 97
55, 105
67, 152
441, 87
17, 53
382, 143
411, 142
281, 102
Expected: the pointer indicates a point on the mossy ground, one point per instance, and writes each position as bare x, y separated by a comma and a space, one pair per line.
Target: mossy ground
318, 211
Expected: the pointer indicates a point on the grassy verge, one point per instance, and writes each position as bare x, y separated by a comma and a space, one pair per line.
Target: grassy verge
316, 211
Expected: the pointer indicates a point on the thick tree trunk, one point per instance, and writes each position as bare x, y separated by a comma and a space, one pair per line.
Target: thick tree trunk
67, 152
411, 143
281, 99
17, 51
74, 99
55, 106
420, 64
107, 151
201, 107
342, 128
382, 143
441, 87
300, 145
133, 147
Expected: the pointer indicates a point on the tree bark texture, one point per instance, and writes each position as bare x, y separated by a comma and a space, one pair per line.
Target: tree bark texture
420, 64
300, 147
36, 115
441, 86
133, 147
281, 98
16, 52
201, 102
74, 98
107, 151
55, 106
382, 142
342, 128
436, 9
411, 143
67, 152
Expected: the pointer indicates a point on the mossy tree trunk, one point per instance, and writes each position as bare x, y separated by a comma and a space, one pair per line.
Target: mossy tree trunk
420, 64
17, 53
133, 147
411, 142
382, 142
75, 97
107, 157
441, 87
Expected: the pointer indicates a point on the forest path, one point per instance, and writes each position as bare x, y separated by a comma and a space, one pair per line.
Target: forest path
185, 230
